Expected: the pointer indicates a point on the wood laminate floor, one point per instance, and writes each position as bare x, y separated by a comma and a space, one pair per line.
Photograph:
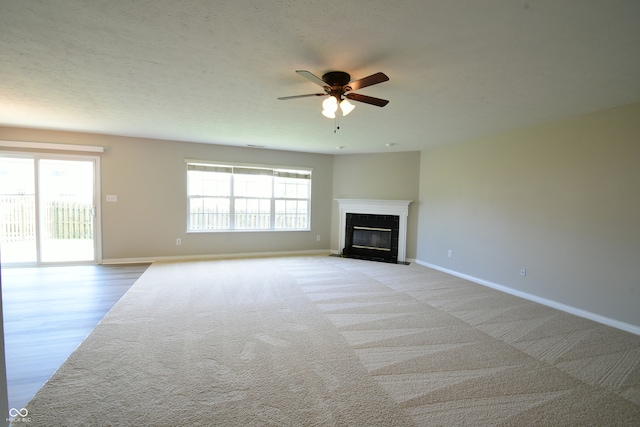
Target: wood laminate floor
48, 312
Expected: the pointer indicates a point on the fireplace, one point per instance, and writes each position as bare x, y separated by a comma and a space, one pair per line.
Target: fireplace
371, 236
373, 229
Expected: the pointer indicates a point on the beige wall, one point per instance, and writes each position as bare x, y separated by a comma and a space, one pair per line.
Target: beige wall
149, 178
560, 199
389, 176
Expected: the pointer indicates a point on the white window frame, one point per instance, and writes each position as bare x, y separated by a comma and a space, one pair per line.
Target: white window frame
244, 169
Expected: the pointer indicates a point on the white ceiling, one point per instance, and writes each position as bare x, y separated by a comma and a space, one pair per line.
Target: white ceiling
210, 71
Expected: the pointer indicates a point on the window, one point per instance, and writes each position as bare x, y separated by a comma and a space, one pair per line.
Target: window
224, 197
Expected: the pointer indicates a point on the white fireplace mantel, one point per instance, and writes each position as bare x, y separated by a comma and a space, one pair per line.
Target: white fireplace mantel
376, 207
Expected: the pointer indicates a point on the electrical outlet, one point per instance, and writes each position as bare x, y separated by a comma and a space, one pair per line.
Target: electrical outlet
450, 253
523, 272
178, 241
318, 238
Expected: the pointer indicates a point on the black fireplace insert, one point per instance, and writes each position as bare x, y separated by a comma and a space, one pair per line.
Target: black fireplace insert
372, 237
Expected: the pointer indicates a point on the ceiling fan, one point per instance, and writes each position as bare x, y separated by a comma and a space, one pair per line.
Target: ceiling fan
339, 88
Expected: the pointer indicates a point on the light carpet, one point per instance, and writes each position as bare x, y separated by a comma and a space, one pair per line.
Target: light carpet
329, 341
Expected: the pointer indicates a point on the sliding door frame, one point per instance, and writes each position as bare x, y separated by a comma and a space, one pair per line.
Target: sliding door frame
97, 219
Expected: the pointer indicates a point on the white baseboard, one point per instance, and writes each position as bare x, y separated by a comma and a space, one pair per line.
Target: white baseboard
549, 303
178, 258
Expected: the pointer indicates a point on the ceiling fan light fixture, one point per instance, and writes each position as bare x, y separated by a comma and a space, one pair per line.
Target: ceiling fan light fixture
329, 107
329, 114
346, 107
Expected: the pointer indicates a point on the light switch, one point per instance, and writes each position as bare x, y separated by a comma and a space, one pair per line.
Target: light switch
112, 198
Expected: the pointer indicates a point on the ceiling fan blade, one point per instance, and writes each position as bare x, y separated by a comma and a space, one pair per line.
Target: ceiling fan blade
367, 99
301, 96
310, 76
373, 79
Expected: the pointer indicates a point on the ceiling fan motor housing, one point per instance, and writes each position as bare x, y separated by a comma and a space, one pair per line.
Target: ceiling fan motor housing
336, 78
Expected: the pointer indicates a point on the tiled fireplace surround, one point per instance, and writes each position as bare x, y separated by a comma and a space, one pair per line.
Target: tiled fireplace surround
399, 208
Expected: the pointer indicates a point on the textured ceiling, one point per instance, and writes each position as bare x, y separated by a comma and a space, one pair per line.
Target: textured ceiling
211, 71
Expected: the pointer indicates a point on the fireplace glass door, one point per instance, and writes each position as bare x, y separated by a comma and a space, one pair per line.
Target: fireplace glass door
378, 239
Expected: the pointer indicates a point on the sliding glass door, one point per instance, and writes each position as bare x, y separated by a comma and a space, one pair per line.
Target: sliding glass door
48, 209
67, 210
18, 210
